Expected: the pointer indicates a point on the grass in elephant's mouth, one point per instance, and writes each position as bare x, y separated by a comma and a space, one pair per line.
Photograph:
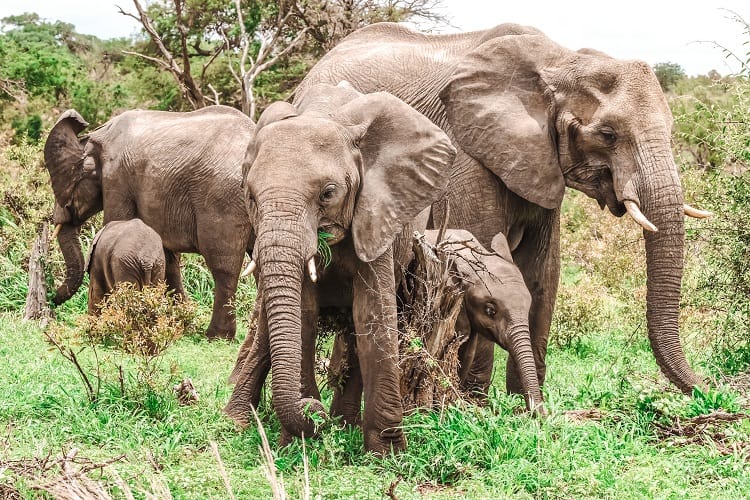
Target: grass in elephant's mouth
324, 249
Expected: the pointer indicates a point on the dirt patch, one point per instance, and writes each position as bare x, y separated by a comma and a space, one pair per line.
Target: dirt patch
707, 429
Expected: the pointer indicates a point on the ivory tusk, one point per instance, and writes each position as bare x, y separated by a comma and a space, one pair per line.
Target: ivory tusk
696, 212
56, 231
637, 215
249, 269
311, 270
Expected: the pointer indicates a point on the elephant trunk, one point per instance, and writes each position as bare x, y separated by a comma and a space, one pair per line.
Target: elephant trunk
519, 347
281, 265
70, 246
661, 202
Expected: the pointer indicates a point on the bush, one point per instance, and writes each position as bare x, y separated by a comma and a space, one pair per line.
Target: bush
136, 327
668, 74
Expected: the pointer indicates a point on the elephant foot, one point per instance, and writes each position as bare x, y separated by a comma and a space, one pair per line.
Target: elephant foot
239, 417
385, 442
285, 438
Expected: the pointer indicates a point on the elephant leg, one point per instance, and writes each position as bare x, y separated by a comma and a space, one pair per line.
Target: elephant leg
345, 378
97, 290
538, 258
172, 273
223, 323
250, 372
374, 309
309, 335
477, 357
252, 330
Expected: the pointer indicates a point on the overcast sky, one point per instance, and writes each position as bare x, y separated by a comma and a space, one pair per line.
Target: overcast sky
653, 30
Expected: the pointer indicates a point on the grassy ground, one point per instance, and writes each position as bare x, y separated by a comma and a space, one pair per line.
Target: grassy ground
493, 452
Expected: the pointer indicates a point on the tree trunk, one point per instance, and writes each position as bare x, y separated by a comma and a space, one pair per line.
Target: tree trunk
36, 299
428, 341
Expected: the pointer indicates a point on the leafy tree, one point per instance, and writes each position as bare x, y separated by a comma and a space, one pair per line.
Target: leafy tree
220, 50
668, 74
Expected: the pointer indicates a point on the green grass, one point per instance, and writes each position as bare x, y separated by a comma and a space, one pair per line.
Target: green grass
495, 451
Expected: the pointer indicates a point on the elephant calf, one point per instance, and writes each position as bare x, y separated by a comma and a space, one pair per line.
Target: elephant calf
496, 307
123, 251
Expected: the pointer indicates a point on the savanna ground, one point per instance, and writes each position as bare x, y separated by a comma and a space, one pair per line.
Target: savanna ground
616, 428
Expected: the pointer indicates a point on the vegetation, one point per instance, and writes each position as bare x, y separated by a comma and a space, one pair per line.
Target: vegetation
616, 428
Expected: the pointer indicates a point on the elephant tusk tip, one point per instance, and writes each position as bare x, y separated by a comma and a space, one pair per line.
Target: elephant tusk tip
696, 212
635, 213
249, 269
56, 231
311, 270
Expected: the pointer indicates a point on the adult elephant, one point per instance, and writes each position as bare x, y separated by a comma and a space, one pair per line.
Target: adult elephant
359, 168
528, 118
181, 173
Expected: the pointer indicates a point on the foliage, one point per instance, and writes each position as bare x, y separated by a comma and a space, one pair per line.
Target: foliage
475, 452
139, 324
142, 323
668, 74
324, 249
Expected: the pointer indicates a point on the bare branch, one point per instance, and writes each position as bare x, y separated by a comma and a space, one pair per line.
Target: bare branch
216, 94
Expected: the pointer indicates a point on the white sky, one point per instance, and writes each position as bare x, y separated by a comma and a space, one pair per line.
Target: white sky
652, 30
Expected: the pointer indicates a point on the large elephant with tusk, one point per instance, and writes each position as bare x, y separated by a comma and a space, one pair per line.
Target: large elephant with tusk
528, 118
358, 168
181, 173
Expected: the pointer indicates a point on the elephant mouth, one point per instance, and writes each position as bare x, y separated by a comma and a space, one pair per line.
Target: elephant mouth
595, 181
336, 231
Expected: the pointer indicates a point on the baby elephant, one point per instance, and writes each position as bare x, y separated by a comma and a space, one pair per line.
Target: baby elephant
124, 250
496, 306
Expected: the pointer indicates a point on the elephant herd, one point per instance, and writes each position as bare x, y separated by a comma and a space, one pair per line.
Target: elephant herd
493, 124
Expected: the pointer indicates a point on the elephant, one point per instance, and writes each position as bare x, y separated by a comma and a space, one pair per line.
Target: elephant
123, 251
181, 173
529, 117
495, 306
356, 168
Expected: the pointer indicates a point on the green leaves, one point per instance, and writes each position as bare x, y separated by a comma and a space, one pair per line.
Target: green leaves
324, 250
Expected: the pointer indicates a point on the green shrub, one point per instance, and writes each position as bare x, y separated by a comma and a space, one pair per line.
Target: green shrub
135, 327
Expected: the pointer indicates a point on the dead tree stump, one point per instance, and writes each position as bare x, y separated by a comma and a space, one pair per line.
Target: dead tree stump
36, 299
432, 300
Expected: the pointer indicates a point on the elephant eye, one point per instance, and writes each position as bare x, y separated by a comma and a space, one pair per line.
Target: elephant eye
489, 309
327, 193
608, 135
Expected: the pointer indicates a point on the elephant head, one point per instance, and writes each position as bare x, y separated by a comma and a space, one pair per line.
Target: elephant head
542, 117
355, 166
76, 182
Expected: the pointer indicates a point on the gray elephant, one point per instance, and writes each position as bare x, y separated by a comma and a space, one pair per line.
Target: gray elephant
359, 168
123, 251
181, 173
495, 307
528, 118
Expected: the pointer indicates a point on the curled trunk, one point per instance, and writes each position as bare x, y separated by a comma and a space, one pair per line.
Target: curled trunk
662, 203
519, 345
70, 246
281, 281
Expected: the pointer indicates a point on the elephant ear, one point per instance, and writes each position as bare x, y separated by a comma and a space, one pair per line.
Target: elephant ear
501, 112
406, 162
500, 246
63, 154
